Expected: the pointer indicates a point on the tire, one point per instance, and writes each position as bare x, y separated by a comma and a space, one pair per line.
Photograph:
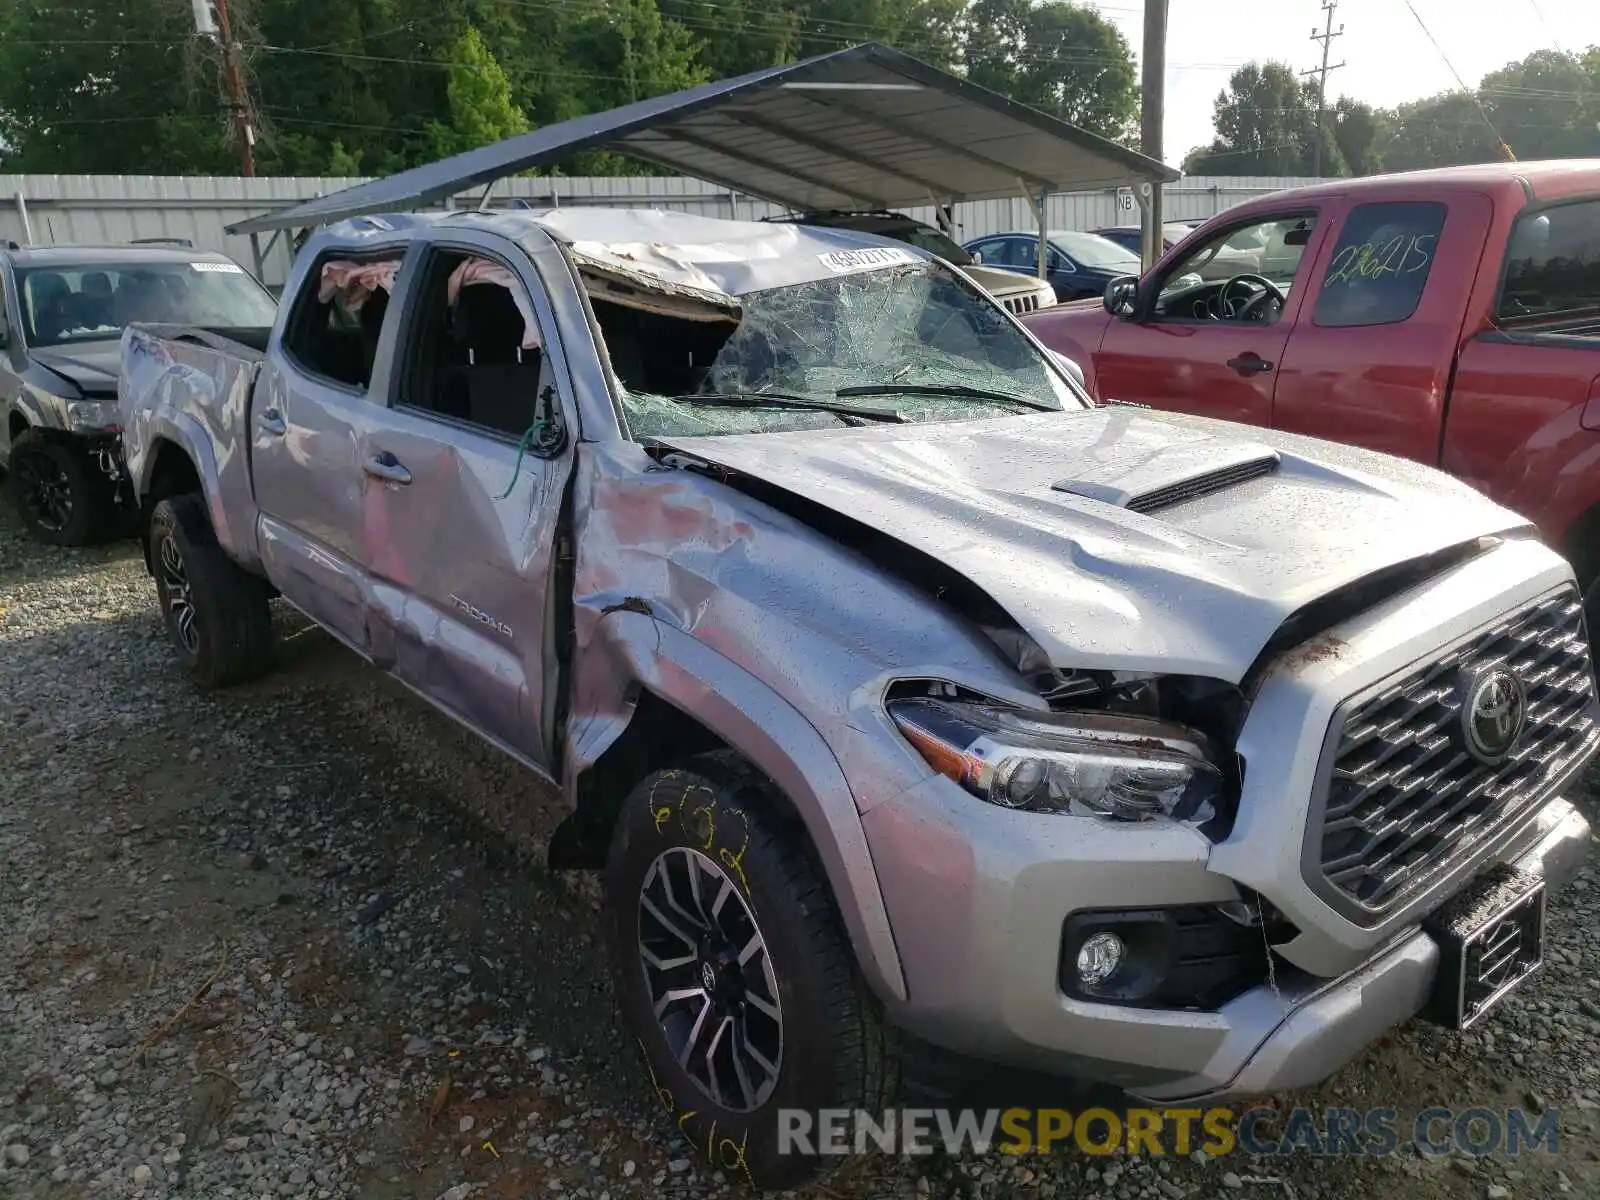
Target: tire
829, 1045
62, 496
215, 612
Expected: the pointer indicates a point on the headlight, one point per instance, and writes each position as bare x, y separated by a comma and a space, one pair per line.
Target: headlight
1125, 768
93, 416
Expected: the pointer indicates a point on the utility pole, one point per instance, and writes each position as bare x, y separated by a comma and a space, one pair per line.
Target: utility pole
232, 78
1326, 38
1153, 78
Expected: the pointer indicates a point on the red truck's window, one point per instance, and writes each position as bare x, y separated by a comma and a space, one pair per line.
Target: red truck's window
1380, 264
1553, 264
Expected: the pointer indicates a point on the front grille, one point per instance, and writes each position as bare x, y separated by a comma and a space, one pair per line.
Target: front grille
1406, 800
1022, 304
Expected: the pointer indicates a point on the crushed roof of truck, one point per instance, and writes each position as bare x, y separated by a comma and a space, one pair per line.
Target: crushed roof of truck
706, 258
865, 127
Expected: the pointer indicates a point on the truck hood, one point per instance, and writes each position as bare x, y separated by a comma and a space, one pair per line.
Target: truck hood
92, 366
1125, 540
999, 282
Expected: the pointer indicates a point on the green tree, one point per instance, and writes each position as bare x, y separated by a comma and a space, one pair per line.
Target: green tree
1439, 131
1059, 57
929, 29
480, 104
1544, 106
319, 86
1359, 131
738, 36
341, 161
118, 88
1266, 121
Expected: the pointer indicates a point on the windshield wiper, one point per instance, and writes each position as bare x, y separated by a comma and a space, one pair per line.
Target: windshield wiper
786, 400
940, 389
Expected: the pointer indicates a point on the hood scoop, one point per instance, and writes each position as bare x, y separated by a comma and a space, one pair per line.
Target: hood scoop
1173, 475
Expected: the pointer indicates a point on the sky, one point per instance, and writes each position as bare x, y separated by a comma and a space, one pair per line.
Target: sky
1388, 57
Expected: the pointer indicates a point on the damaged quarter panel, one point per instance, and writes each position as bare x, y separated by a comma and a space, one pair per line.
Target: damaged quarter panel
197, 398
777, 638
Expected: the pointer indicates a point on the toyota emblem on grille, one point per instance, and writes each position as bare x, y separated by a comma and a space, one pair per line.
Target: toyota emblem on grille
1494, 710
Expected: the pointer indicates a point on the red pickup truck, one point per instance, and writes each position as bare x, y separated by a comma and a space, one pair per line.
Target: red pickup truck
1449, 316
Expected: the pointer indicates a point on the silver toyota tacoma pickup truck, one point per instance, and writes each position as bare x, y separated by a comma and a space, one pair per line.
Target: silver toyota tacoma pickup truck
916, 708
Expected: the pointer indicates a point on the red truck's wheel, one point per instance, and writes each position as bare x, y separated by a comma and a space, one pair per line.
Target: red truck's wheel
733, 972
216, 613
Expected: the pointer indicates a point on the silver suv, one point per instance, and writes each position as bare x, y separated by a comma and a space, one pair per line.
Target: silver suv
917, 709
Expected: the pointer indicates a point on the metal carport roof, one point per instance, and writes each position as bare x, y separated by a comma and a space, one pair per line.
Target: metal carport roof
867, 127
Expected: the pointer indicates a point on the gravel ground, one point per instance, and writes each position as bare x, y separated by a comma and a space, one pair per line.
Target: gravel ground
296, 939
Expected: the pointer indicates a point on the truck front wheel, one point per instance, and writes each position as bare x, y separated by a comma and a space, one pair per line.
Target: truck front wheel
216, 613
733, 972
63, 498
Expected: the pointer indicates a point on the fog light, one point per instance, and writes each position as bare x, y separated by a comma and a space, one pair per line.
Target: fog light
1099, 957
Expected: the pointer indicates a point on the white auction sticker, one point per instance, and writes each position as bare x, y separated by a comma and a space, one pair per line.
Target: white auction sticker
212, 268
865, 259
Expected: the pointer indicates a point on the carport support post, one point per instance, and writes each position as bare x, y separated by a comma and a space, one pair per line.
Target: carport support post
1153, 64
1037, 203
1151, 241
22, 212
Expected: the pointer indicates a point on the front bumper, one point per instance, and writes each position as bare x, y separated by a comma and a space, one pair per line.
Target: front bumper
1331, 1024
980, 942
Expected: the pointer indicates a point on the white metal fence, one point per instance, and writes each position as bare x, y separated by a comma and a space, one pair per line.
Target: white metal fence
111, 209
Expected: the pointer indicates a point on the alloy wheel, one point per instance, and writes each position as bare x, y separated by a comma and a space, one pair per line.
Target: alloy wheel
180, 598
45, 491
710, 979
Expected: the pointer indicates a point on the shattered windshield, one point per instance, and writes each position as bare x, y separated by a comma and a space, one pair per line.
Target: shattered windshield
911, 343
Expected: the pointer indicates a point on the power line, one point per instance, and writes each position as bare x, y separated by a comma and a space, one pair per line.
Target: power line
1461, 83
1539, 12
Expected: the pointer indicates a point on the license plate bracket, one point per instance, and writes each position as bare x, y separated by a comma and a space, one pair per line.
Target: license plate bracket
1491, 939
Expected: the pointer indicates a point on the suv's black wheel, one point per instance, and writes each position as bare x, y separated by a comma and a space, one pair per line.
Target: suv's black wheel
216, 613
732, 970
61, 494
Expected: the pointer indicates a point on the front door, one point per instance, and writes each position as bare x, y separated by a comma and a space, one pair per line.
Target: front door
1206, 345
309, 411
461, 495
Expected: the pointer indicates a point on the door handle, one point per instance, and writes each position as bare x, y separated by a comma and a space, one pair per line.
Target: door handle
1250, 364
271, 421
388, 468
